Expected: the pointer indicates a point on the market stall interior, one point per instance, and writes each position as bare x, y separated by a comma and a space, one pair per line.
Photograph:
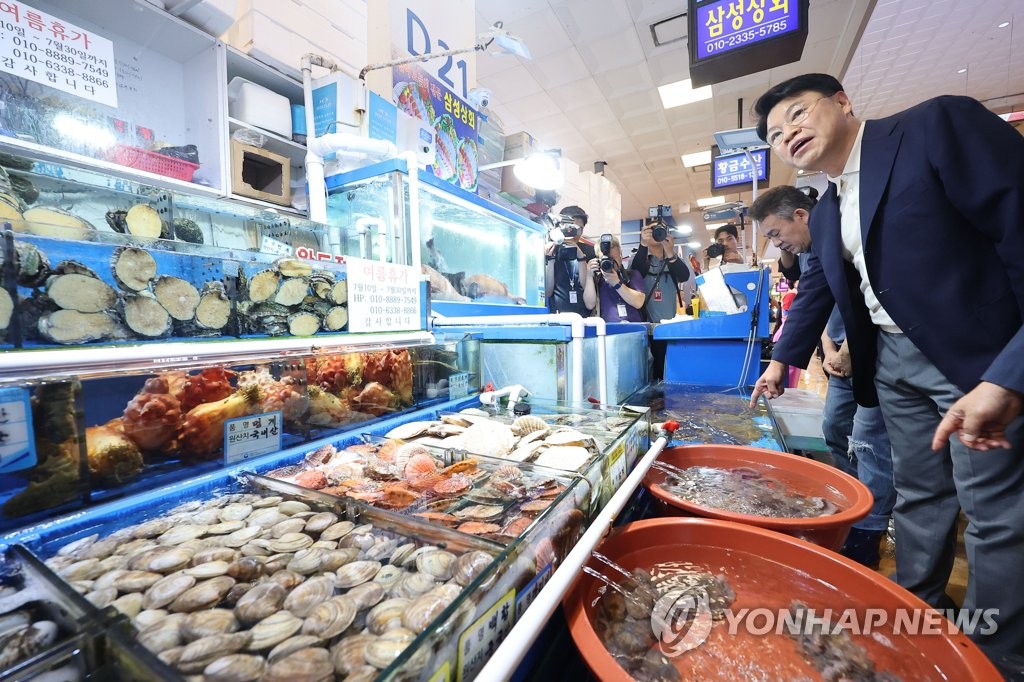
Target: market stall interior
282, 395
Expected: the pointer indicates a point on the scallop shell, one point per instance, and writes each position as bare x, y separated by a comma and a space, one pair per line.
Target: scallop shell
409, 430
203, 595
235, 668
569, 437
260, 602
386, 615
356, 572
528, 424
167, 589
273, 630
331, 618
208, 623
566, 457
491, 439
305, 597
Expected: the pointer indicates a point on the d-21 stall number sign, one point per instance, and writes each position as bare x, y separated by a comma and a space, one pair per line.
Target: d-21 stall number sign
45, 49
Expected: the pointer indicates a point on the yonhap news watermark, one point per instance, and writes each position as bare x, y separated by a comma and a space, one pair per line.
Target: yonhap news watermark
683, 619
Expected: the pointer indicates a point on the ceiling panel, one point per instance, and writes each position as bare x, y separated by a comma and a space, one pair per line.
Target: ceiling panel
558, 68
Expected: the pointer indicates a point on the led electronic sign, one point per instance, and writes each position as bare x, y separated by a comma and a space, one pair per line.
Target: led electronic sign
733, 38
730, 171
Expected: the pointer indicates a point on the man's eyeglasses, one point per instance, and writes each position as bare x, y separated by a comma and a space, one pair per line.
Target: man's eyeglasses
796, 115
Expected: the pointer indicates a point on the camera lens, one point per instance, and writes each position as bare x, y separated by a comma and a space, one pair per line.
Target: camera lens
715, 250
658, 233
607, 264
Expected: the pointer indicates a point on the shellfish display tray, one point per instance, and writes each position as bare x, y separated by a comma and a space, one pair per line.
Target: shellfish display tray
501, 502
47, 630
710, 415
229, 574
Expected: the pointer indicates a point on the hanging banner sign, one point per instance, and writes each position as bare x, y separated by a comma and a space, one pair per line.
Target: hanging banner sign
45, 49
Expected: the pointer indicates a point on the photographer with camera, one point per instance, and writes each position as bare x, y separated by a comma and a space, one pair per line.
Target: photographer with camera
566, 277
663, 272
726, 245
620, 292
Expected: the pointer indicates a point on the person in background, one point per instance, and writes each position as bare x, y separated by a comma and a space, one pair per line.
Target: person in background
922, 252
620, 292
727, 236
663, 271
855, 434
566, 278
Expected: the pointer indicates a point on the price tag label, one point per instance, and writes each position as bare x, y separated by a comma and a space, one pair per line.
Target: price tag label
617, 466
478, 642
252, 436
274, 246
633, 443
17, 442
46, 49
458, 385
382, 297
532, 589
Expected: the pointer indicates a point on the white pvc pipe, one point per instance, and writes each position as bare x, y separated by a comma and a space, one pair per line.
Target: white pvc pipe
413, 168
602, 356
575, 320
503, 663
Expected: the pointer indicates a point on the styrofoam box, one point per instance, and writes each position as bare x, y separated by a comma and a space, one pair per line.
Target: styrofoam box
799, 412
260, 107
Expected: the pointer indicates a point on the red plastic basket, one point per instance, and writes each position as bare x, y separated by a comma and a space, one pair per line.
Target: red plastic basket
143, 159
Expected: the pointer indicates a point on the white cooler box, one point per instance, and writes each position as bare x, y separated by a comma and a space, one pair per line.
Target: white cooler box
259, 107
798, 412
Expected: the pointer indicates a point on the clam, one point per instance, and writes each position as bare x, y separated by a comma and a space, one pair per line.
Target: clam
160, 559
113, 562
333, 559
388, 575
102, 597
412, 585
356, 572
86, 569
241, 537
265, 518
439, 563
360, 540
136, 581
100, 549
291, 542
273, 630
401, 553
337, 530
425, 609
381, 652
206, 517
146, 618
247, 569
210, 569
264, 502
290, 507
470, 565
73, 548
318, 523
235, 512
325, 544
381, 550
255, 548
235, 668
167, 589
203, 556
261, 601
366, 595
291, 645
287, 579
331, 618
208, 623
313, 664
205, 651
349, 654
129, 604
305, 597
108, 579
289, 525
161, 636
171, 656
180, 534
306, 561
224, 527
362, 673
386, 615
237, 591
203, 595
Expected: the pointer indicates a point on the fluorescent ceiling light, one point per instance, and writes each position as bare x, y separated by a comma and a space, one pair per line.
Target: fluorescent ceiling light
684, 229
694, 244
540, 171
714, 226
710, 201
961, 70
682, 92
697, 159
1003, 25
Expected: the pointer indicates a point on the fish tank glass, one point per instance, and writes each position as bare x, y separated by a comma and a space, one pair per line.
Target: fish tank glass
472, 251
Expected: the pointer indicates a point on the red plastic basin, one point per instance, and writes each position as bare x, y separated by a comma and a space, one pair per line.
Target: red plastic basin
768, 570
801, 475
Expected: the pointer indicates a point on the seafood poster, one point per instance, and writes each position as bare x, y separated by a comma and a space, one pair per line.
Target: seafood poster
46, 49
455, 123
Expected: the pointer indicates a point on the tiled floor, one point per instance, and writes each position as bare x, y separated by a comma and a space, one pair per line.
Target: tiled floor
813, 378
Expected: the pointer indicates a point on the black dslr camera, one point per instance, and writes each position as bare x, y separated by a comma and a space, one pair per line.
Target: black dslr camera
659, 228
606, 262
715, 250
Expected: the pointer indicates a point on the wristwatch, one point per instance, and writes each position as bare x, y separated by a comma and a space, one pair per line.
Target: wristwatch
617, 285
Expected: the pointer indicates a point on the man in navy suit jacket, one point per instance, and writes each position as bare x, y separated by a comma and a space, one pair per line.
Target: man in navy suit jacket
920, 242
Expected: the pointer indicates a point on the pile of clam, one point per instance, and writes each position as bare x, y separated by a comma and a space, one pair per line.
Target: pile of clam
245, 587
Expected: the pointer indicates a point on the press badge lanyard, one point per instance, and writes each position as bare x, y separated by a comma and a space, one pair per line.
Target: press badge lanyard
572, 270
